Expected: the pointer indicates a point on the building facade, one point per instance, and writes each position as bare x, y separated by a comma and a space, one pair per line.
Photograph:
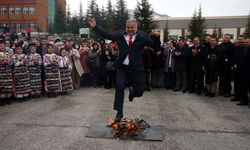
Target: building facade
178, 26
37, 15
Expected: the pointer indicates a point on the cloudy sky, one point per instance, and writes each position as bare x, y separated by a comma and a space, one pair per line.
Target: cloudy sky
180, 8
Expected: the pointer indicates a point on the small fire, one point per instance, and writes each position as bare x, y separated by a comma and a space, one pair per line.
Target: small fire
127, 127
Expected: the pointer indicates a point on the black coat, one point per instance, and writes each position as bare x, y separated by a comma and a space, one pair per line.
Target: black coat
225, 55
147, 59
199, 57
182, 60
244, 67
211, 65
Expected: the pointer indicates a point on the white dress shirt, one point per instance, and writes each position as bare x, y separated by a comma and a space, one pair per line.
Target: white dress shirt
126, 37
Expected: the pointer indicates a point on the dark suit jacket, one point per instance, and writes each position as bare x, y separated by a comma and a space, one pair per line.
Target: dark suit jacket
182, 60
136, 50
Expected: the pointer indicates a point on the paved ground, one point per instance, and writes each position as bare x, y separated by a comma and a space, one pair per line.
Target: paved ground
190, 122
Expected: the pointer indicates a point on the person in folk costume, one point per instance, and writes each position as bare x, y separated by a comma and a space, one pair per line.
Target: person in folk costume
6, 90
65, 68
51, 62
21, 78
35, 62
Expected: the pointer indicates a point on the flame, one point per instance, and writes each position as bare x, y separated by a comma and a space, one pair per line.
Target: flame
115, 126
127, 127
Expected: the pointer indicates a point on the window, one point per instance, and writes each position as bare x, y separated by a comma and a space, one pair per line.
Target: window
27, 25
3, 10
25, 10
13, 26
11, 10
18, 10
32, 10
32, 26
18, 26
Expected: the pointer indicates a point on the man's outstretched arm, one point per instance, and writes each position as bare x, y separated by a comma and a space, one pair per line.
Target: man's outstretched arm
98, 30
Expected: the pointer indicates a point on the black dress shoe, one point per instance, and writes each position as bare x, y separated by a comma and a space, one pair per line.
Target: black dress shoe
208, 94
176, 90
3, 102
198, 92
191, 91
221, 92
118, 116
227, 95
131, 94
212, 95
242, 104
8, 101
234, 99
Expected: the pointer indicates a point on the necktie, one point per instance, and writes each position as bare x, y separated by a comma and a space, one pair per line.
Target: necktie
129, 45
130, 41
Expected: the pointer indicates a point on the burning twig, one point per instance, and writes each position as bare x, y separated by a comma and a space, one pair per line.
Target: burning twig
128, 127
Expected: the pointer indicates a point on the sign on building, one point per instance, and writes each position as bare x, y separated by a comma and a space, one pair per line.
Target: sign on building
84, 32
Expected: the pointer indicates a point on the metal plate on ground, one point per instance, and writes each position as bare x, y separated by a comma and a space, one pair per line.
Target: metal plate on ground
153, 133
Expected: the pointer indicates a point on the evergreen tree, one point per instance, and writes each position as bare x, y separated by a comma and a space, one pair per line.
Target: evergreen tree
166, 32
60, 21
144, 16
247, 31
82, 21
91, 11
110, 15
220, 34
103, 17
68, 18
97, 16
197, 26
215, 32
121, 15
74, 25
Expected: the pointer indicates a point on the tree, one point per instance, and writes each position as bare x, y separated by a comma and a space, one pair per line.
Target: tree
144, 16
103, 17
81, 15
74, 25
215, 32
110, 15
197, 26
166, 32
247, 31
68, 18
91, 11
121, 15
60, 22
220, 34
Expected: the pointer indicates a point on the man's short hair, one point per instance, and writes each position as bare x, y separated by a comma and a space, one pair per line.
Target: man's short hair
131, 21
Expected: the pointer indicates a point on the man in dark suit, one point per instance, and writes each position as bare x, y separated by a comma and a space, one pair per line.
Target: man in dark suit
129, 63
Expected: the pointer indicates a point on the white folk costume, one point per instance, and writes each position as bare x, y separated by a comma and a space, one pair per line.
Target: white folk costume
65, 68
21, 76
35, 61
6, 89
51, 62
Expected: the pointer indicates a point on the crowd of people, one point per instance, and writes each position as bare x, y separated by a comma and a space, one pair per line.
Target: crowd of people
197, 67
50, 66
